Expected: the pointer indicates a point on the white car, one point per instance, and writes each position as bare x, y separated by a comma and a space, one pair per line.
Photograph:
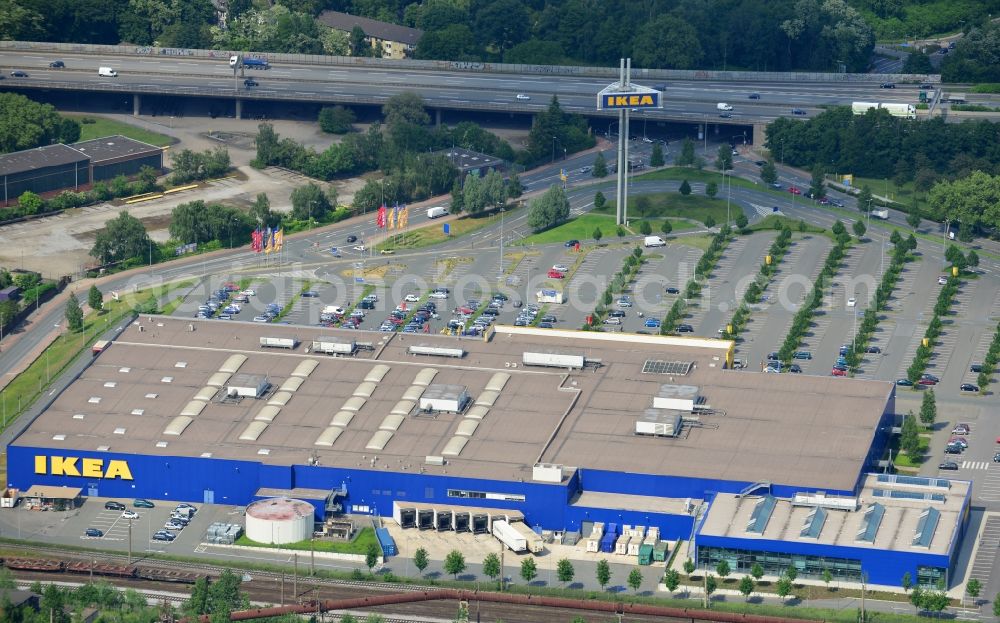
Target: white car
248, 293
851, 302
561, 268
173, 525
412, 298
942, 280
361, 247
523, 97
130, 515
438, 295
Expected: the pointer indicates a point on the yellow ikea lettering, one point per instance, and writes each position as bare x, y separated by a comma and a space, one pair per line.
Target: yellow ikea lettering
621, 101
89, 468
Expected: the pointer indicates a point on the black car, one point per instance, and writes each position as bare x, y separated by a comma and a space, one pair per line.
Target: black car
545, 325
798, 111
969, 387
874, 350
616, 313
760, 163
93, 532
660, 87
310, 294
795, 368
976, 367
17, 73
953, 448
754, 96
926, 86
672, 290
57, 64
250, 82
114, 506
352, 238
726, 115
772, 356
571, 243
685, 328
887, 85
951, 465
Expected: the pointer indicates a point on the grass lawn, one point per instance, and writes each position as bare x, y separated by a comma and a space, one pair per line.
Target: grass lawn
885, 188
768, 223
676, 205
359, 545
695, 175
433, 232
579, 228
108, 127
698, 242
903, 460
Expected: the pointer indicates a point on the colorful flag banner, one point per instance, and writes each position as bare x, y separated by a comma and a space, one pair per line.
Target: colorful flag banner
279, 238
380, 219
267, 240
391, 224
255, 240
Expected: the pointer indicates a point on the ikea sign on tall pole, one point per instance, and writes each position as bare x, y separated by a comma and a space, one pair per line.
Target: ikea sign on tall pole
617, 101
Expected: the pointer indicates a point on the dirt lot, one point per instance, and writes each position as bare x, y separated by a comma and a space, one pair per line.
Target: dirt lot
58, 245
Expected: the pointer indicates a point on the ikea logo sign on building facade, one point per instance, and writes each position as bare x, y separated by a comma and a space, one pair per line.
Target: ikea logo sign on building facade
86, 468
630, 100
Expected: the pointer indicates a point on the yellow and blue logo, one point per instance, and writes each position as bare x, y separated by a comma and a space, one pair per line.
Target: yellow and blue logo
630, 100
86, 468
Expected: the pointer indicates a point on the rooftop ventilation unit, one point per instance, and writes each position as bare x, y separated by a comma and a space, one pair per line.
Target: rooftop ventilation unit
821, 499
552, 360
659, 423
279, 342
547, 472
247, 385
446, 398
332, 346
656, 366
434, 460
436, 351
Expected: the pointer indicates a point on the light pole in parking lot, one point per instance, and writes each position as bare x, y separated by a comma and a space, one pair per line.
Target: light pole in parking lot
129, 540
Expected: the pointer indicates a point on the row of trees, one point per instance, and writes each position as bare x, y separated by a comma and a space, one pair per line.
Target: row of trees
190, 166
973, 202
909, 438
879, 145
25, 124
479, 194
549, 210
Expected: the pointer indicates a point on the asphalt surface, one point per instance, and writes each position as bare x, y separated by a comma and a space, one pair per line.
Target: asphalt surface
689, 100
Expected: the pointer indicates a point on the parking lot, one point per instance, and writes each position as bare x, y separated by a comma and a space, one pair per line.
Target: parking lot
733, 273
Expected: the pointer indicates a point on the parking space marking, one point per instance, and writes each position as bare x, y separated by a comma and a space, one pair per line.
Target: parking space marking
975, 465
986, 554
989, 486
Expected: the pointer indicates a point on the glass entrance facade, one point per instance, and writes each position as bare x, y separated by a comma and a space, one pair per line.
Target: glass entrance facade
775, 563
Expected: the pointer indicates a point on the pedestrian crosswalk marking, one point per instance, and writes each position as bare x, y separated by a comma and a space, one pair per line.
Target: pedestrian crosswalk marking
975, 465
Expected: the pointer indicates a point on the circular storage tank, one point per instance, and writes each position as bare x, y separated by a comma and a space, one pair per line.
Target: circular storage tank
279, 521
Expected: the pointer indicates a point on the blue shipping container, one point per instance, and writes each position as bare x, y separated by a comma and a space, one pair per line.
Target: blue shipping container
385, 540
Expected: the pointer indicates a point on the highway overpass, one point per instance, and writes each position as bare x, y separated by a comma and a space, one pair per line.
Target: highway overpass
690, 96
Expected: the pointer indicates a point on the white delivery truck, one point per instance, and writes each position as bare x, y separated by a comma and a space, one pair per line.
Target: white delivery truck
550, 296
436, 212
655, 241
107, 72
723, 106
882, 214
532, 541
510, 537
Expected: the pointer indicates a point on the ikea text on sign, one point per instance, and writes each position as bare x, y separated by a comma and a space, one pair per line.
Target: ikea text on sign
631, 100
76, 466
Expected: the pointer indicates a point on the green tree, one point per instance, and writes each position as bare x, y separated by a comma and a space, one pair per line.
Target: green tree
756, 571
30, 203
420, 560
597, 235
620, 231
865, 199
689, 567
95, 299
917, 598
310, 202
671, 579
928, 408
666, 227
656, 158
635, 579
685, 188
909, 440
711, 584
907, 582
336, 119
686, 158
742, 221
791, 573
827, 578
768, 172
564, 571
371, 557
514, 186
603, 573
724, 158
972, 259
123, 237
710, 221
359, 42
722, 568
711, 189
859, 229
550, 209
996, 605
817, 183
783, 587
600, 168
491, 566
913, 219
972, 588
260, 212
917, 63
28, 124
645, 228
529, 570
599, 200
746, 586
74, 315
454, 563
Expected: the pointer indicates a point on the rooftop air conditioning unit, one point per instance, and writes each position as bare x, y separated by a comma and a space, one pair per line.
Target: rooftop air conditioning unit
434, 460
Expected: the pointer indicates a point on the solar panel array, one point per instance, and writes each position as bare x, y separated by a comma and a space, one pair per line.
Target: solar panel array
870, 523
657, 366
761, 514
908, 495
925, 527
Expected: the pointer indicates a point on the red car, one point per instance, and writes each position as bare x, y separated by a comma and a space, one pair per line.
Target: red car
794, 190
836, 372
555, 274
927, 382
824, 201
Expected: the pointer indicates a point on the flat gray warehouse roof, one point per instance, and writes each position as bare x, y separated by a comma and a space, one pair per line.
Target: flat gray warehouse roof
102, 150
47, 156
161, 391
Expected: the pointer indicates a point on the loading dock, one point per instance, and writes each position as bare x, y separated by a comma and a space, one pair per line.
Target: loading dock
425, 519
462, 521
407, 518
480, 523
442, 520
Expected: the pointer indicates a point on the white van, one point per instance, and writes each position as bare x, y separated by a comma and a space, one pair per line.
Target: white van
655, 241
723, 106
436, 212
107, 72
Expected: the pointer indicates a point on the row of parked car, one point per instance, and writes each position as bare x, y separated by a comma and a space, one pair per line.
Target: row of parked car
957, 444
224, 303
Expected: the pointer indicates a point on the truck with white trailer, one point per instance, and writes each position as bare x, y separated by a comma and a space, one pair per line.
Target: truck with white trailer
509, 536
533, 541
882, 214
908, 111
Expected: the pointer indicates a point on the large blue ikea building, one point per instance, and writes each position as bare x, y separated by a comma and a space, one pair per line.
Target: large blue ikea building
564, 428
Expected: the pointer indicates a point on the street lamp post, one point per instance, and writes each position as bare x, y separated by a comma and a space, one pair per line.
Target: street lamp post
553, 149
729, 193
